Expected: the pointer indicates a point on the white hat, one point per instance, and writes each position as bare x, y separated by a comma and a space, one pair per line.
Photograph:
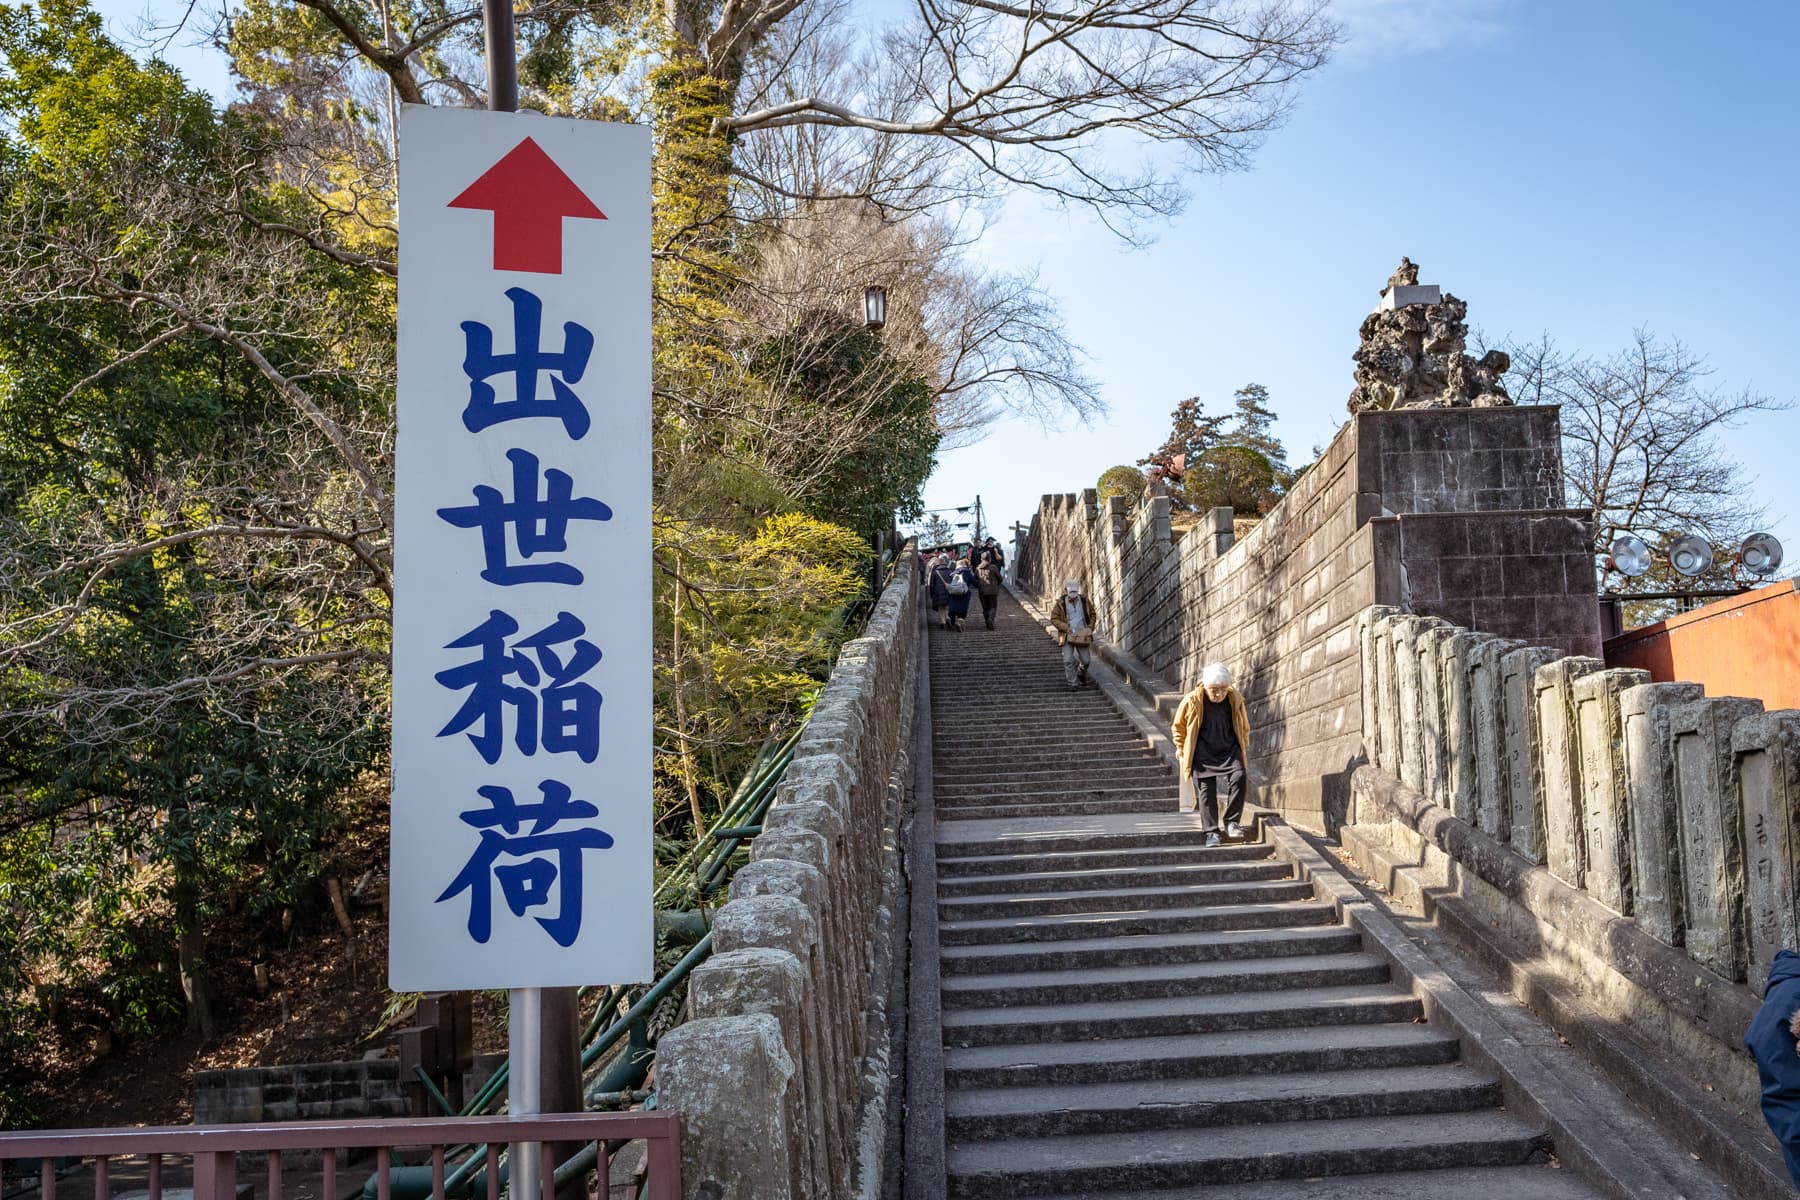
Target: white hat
1216, 674
1072, 586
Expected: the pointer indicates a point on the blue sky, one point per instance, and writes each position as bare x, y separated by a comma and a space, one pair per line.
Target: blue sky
1582, 168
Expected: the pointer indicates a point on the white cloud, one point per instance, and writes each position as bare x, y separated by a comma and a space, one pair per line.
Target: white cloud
1377, 30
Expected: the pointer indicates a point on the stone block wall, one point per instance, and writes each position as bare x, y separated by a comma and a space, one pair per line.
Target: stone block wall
308, 1091
1455, 514
781, 1071
1641, 847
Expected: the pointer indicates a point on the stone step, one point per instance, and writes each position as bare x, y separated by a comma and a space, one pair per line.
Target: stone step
1155, 875
1075, 1109
992, 724
1200, 918
1363, 1004
1193, 852
1199, 1055
1056, 808
1051, 768
1086, 841
994, 906
1073, 776
1096, 1164
1535, 1182
1142, 982
1103, 779
1231, 945
1017, 751
1059, 769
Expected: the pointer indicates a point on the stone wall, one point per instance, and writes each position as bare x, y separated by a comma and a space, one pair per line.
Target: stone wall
780, 1075
1630, 844
308, 1091
1448, 512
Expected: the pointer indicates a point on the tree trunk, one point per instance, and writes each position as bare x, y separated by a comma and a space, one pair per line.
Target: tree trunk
684, 745
190, 956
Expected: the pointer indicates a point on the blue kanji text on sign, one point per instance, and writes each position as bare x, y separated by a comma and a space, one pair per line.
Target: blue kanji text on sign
525, 363
564, 711
538, 860
539, 524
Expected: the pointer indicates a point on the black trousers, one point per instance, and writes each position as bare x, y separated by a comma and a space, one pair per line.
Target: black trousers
988, 604
1207, 786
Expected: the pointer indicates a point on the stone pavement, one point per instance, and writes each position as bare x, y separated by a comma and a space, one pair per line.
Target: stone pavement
1127, 1013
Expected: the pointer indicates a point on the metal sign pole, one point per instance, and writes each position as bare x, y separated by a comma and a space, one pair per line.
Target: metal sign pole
502, 55
525, 1006
525, 1055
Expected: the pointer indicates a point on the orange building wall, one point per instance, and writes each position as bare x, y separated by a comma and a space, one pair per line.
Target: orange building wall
1746, 645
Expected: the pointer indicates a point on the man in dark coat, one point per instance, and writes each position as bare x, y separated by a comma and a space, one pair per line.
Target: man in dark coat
987, 583
1772, 1038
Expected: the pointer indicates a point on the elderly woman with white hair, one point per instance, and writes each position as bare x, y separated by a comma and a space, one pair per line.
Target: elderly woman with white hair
1212, 743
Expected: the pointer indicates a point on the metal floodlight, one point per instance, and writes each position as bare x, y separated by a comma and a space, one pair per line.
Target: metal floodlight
1760, 554
1629, 555
1690, 554
874, 306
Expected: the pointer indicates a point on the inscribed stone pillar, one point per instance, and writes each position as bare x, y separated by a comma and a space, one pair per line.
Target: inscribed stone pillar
1653, 820
1408, 696
1368, 630
1387, 700
741, 982
1519, 729
1434, 718
1767, 750
1455, 652
1565, 850
728, 1078
1712, 831
1487, 719
1605, 801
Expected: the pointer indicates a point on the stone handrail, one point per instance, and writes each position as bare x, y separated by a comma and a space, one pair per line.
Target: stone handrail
780, 1071
1639, 838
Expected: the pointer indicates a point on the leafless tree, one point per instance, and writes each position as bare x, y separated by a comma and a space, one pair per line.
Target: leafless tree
1641, 438
1049, 99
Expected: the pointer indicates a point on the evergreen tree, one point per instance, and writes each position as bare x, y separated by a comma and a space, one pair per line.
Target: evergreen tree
1252, 427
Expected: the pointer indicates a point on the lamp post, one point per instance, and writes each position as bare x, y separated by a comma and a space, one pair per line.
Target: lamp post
874, 306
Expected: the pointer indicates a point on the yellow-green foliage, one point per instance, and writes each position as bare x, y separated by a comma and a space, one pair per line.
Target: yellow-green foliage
747, 626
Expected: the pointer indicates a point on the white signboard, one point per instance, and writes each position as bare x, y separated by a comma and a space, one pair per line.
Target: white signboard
520, 851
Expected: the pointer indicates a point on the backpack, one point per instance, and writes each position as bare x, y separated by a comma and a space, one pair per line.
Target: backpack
958, 585
989, 575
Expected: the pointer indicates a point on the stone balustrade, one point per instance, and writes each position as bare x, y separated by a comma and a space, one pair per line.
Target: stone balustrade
1629, 844
780, 1075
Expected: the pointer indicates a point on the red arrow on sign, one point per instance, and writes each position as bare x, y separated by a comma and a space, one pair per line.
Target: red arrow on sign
529, 196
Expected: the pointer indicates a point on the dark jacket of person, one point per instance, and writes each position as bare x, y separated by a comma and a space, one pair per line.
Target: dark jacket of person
1771, 1039
987, 575
940, 586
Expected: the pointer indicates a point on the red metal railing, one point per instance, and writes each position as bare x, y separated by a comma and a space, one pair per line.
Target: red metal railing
214, 1149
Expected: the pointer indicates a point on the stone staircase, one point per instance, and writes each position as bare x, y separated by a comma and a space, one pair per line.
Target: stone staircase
1127, 1013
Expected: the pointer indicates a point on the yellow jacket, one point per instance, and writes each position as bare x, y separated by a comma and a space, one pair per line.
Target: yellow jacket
1186, 726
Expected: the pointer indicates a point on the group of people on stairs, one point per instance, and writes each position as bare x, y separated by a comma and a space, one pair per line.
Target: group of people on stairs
954, 581
1211, 727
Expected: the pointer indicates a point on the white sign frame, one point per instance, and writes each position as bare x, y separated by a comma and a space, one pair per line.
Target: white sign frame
516, 716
